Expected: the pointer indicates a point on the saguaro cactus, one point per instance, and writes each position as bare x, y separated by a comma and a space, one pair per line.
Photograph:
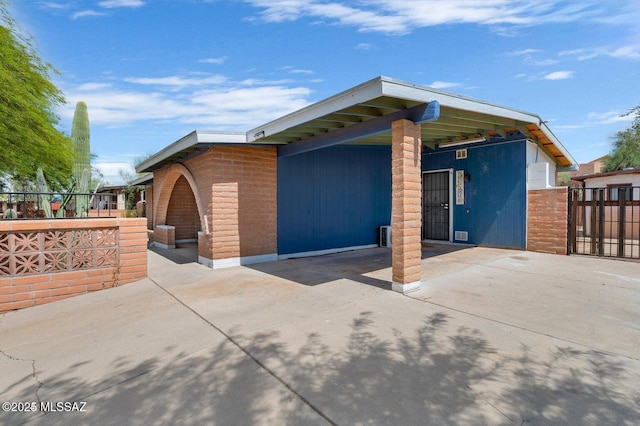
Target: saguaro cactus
81, 141
82, 155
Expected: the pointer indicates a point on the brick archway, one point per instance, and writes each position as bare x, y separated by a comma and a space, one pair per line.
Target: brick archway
164, 190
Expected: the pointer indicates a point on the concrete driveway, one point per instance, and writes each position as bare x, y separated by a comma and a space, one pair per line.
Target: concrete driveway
494, 337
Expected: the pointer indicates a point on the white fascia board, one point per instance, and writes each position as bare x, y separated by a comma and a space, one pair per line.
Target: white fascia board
188, 141
364, 92
207, 136
404, 90
574, 164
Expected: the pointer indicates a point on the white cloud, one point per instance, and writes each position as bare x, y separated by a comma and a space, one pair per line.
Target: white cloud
399, 17
443, 84
364, 46
217, 61
214, 102
544, 62
300, 71
530, 56
626, 52
86, 13
610, 117
559, 75
111, 171
54, 5
524, 52
93, 86
109, 4
178, 81
631, 52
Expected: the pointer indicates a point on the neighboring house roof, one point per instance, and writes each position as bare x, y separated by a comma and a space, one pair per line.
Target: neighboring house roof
361, 115
107, 189
143, 180
599, 159
605, 174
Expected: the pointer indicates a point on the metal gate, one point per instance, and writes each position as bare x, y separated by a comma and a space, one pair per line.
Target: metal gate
435, 208
605, 221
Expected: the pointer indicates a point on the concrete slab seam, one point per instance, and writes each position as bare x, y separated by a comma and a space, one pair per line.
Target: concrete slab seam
602, 351
250, 355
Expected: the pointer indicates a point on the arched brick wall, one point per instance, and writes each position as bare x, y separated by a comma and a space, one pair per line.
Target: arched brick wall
182, 212
164, 183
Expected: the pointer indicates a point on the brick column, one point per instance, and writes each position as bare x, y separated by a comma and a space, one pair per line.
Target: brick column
164, 236
547, 222
406, 208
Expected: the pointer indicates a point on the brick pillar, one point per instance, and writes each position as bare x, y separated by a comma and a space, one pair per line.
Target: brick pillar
164, 236
406, 207
547, 222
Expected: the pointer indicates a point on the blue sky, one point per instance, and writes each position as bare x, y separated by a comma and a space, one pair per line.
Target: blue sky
152, 71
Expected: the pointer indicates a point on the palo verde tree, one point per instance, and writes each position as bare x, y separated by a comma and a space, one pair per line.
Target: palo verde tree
626, 143
28, 136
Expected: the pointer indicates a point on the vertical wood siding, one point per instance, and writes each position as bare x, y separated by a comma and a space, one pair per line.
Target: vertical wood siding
332, 198
495, 208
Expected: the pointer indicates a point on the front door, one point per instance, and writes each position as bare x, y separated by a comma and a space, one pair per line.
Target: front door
435, 205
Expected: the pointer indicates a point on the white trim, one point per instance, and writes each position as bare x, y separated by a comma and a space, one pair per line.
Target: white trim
405, 288
188, 240
205, 261
192, 139
322, 252
163, 246
246, 260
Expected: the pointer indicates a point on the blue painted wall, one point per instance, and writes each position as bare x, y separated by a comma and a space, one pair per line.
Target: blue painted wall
333, 197
494, 212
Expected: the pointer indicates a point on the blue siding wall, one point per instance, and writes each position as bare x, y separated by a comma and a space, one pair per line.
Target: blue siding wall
332, 198
494, 212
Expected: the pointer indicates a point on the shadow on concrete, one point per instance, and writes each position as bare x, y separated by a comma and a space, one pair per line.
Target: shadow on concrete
430, 376
364, 266
182, 254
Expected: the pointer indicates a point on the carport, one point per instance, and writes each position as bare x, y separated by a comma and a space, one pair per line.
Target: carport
326, 177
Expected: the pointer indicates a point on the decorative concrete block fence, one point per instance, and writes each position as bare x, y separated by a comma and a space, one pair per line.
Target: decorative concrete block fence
43, 261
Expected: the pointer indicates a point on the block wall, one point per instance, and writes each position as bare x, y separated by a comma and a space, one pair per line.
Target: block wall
235, 193
243, 201
406, 202
30, 287
547, 224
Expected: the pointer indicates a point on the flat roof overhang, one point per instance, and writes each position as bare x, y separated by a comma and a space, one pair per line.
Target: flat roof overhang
362, 115
459, 118
193, 143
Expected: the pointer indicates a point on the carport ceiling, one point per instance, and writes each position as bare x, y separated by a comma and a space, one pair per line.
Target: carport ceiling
452, 124
460, 118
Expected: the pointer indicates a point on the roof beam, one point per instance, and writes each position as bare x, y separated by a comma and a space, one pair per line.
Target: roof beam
419, 114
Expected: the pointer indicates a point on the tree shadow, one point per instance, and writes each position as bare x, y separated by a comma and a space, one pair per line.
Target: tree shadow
366, 373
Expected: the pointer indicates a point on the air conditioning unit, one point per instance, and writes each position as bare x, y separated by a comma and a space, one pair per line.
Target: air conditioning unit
385, 236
